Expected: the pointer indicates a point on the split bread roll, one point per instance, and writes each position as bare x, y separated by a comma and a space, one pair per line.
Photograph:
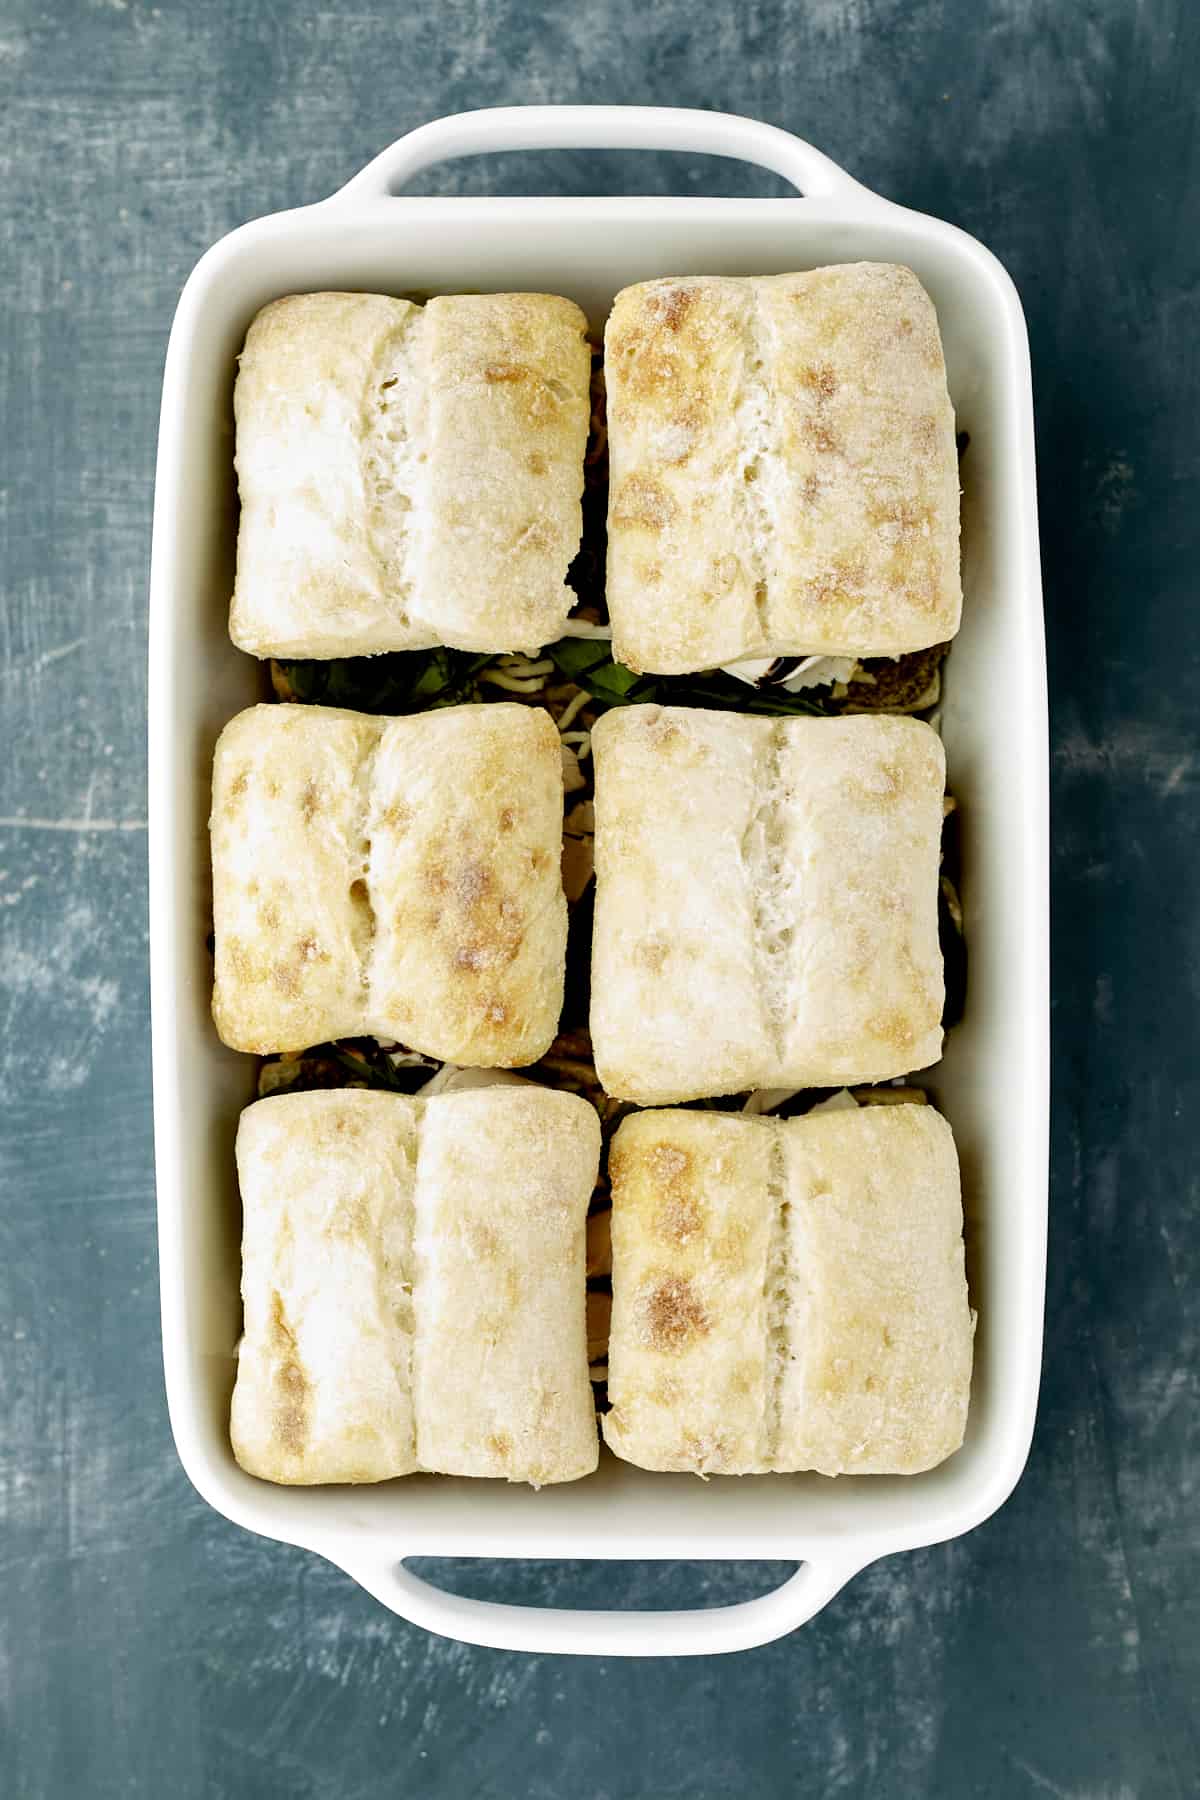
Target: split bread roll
409, 475
766, 901
393, 877
788, 1293
784, 479
413, 1283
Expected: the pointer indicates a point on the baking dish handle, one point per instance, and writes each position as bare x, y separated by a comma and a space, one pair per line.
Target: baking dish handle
561, 1631
604, 128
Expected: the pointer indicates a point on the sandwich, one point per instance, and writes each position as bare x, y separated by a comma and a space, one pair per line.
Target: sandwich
788, 1294
413, 1286
766, 901
409, 475
784, 480
393, 877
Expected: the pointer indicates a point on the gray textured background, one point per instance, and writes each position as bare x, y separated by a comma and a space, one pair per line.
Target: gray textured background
149, 1647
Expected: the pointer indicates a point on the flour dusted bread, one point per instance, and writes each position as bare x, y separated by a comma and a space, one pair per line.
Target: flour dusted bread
691, 1236
766, 901
413, 1284
289, 859
390, 876
501, 1381
324, 1388
465, 827
788, 1294
409, 475
784, 478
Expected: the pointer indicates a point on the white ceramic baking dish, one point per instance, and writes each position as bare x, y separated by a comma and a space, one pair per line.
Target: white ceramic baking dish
994, 1081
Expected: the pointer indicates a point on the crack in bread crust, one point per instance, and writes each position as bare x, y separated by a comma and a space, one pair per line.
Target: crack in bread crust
393, 418
768, 880
363, 919
777, 1309
758, 451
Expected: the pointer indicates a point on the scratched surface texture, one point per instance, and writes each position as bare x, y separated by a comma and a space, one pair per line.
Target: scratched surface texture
148, 1647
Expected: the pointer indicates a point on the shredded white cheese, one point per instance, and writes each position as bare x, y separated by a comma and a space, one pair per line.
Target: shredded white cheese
450, 1079
814, 671
572, 709
768, 1100
519, 674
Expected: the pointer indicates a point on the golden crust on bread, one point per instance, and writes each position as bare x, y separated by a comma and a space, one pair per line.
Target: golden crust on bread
413, 1284
409, 476
784, 479
289, 865
788, 1294
766, 901
470, 918
392, 876
323, 1388
500, 1380
690, 1236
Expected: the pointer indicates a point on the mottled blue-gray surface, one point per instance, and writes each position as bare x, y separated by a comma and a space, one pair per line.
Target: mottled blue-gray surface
149, 1647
